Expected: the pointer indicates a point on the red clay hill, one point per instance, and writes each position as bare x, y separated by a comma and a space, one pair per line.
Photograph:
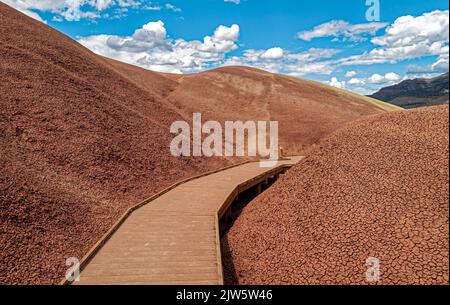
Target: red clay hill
306, 111
377, 188
82, 138
80, 143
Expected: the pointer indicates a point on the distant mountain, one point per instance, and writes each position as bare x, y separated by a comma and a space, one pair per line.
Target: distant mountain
413, 93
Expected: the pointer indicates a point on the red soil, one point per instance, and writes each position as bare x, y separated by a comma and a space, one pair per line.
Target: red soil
83, 138
79, 144
376, 188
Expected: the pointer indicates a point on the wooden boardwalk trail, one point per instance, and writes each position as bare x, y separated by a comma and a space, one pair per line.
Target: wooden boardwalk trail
174, 239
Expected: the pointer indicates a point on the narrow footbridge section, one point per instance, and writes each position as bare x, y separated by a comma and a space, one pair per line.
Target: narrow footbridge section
174, 238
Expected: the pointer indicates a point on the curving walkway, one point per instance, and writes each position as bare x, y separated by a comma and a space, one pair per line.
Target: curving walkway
174, 239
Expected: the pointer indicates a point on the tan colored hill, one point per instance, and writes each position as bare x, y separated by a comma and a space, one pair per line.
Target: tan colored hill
306, 111
377, 188
82, 138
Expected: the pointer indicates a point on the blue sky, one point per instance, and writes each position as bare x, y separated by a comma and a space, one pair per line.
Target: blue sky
328, 40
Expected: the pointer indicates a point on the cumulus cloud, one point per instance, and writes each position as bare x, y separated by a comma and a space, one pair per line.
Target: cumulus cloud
233, 1
341, 29
409, 37
273, 53
372, 83
392, 77
336, 83
151, 35
357, 81
227, 33
408, 30
387, 78
151, 48
377, 79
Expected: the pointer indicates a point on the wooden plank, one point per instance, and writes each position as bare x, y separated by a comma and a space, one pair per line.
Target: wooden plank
175, 239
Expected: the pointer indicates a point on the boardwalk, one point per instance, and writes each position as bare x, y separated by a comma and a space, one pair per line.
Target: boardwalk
174, 239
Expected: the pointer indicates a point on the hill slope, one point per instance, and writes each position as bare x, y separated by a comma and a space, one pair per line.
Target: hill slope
80, 142
377, 188
306, 111
416, 92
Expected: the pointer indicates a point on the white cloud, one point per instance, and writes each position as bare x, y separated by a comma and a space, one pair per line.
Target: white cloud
28, 6
405, 39
227, 33
299, 69
362, 90
151, 35
441, 65
376, 79
74, 10
273, 53
172, 7
368, 85
336, 83
350, 74
356, 81
314, 54
129, 3
387, 78
392, 77
283, 61
408, 37
42, 5
31, 14
102, 4
408, 30
342, 29
151, 48
233, 1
